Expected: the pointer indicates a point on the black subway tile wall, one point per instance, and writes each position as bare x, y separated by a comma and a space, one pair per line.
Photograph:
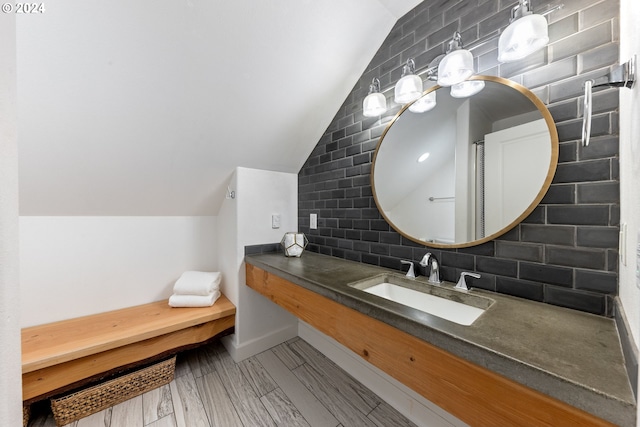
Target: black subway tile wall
565, 252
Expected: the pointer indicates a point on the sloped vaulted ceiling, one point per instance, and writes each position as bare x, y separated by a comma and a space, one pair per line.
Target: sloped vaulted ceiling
146, 107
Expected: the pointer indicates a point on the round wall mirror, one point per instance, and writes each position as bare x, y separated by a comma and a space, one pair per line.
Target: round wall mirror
467, 170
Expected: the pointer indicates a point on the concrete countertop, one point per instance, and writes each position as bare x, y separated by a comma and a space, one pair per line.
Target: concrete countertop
572, 356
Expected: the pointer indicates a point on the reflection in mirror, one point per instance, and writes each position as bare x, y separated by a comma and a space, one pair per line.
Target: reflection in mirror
467, 170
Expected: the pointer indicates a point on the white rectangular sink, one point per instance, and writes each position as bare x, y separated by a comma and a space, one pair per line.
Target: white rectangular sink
444, 303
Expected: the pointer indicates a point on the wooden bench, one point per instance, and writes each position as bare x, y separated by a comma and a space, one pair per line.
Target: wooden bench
60, 356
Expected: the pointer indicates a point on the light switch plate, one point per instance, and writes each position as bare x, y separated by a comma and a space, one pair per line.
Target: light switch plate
275, 221
313, 221
622, 246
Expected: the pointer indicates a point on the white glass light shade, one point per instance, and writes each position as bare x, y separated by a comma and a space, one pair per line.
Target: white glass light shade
424, 104
466, 88
408, 89
455, 67
374, 105
523, 37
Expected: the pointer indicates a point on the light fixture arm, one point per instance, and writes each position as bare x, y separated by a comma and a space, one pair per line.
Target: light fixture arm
409, 67
374, 87
456, 42
523, 8
432, 70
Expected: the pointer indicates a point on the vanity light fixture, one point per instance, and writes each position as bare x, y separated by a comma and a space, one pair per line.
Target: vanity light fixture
457, 64
375, 104
409, 87
466, 88
527, 33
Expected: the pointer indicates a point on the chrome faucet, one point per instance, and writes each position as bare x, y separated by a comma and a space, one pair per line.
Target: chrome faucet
433, 267
411, 273
462, 284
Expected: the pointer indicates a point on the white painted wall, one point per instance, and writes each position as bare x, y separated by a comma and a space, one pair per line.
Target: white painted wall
260, 324
630, 166
75, 266
141, 108
10, 371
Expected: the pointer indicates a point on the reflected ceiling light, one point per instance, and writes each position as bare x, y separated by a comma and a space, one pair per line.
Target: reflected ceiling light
423, 157
527, 33
466, 88
409, 87
424, 103
457, 65
375, 104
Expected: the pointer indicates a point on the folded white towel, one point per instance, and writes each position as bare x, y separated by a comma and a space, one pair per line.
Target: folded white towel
194, 300
197, 283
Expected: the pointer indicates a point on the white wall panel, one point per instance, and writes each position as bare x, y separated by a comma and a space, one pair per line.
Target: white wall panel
75, 266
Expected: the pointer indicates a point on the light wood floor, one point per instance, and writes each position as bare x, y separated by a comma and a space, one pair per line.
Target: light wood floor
289, 385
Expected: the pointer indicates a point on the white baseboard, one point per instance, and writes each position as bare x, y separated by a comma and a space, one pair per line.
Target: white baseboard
241, 351
409, 403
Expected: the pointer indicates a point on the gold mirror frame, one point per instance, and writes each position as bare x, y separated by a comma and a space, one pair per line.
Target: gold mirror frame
553, 133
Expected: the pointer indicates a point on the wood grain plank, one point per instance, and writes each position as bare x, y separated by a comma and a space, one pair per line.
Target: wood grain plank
156, 404
59, 342
473, 394
257, 376
207, 356
201, 360
182, 366
99, 419
128, 413
216, 401
288, 357
168, 421
283, 412
187, 404
41, 417
192, 359
311, 409
356, 393
331, 397
384, 415
250, 410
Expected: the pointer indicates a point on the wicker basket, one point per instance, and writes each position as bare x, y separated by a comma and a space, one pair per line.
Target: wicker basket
94, 399
26, 411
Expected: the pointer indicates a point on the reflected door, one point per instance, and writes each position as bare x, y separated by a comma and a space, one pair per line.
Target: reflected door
516, 162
